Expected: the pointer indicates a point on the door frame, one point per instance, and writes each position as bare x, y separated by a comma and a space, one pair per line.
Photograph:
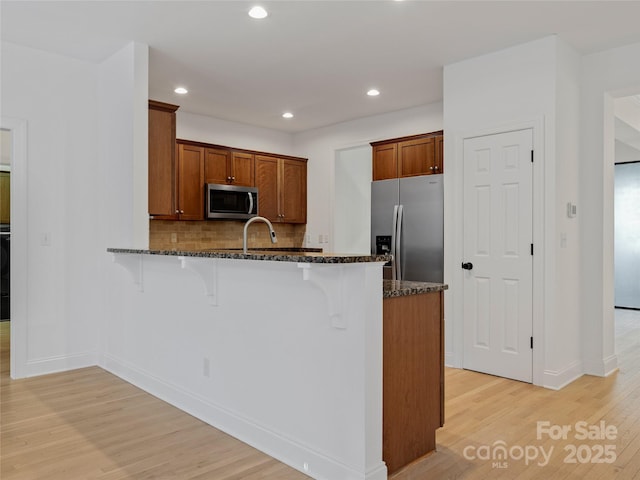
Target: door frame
454, 230
19, 245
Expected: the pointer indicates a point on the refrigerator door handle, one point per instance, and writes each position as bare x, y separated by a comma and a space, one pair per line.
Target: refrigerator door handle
398, 254
394, 261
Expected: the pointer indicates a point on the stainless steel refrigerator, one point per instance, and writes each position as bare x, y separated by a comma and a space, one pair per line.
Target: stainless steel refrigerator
407, 221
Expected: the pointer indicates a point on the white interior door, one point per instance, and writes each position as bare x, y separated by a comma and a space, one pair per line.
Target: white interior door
498, 275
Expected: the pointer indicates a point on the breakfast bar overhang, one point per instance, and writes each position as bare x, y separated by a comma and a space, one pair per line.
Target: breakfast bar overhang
280, 350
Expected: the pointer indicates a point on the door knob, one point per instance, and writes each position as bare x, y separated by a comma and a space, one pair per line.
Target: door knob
467, 265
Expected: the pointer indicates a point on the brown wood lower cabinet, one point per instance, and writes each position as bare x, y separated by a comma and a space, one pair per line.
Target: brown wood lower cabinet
412, 378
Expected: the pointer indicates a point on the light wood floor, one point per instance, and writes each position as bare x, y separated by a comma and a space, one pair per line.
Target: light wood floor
88, 424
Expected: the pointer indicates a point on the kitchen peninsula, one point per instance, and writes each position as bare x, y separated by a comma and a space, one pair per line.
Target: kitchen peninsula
283, 350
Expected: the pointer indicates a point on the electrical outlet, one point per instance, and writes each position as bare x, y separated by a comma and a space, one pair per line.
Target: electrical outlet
308, 238
45, 239
305, 466
320, 238
174, 238
206, 367
325, 238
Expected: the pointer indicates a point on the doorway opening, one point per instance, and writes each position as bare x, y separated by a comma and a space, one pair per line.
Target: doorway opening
627, 216
14, 159
5, 225
626, 202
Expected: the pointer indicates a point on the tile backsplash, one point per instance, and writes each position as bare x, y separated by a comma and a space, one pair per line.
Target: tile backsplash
173, 235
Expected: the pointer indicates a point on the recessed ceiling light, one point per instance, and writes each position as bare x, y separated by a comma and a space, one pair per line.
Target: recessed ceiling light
258, 12
373, 92
181, 90
287, 115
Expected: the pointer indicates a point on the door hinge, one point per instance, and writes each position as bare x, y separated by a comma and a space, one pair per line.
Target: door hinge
532, 343
532, 249
531, 156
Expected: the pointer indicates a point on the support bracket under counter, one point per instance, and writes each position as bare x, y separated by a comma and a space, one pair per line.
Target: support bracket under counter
133, 264
207, 270
330, 280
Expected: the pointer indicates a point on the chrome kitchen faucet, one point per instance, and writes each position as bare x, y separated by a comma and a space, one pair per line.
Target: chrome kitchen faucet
272, 232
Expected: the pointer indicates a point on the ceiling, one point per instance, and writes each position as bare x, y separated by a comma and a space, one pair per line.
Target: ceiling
313, 58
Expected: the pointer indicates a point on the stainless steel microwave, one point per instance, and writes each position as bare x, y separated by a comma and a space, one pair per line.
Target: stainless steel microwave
231, 202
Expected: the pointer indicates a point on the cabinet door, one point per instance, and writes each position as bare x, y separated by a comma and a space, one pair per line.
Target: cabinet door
293, 187
216, 166
385, 161
267, 183
242, 169
162, 135
191, 182
417, 157
412, 377
5, 197
438, 168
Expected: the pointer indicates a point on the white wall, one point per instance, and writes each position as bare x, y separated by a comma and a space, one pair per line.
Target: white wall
320, 147
86, 134
123, 118
523, 86
57, 98
626, 153
563, 359
628, 110
200, 128
352, 205
606, 75
287, 381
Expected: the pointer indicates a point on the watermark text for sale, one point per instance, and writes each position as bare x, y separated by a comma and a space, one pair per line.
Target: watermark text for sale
580, 442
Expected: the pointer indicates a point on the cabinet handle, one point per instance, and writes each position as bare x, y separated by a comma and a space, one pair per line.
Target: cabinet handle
177, 211
181, 211
436, 167
430, 168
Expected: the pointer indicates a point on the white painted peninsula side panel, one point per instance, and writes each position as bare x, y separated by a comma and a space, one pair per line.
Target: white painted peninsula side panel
266, 364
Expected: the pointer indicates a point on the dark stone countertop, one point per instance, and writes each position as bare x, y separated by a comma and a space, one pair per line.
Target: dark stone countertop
400, 288
274, 255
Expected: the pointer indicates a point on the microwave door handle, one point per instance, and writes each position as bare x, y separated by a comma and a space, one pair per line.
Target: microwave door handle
250, 203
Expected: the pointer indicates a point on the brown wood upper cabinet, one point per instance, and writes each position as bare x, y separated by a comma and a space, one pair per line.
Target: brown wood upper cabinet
162, 160
190, 182
282, 188
176, 171
180, 169
408, 156
226, 166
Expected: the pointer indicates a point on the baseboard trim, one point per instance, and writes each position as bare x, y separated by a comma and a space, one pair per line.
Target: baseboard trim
450, 360
558, 379
601, 368
287, 450
60, 363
